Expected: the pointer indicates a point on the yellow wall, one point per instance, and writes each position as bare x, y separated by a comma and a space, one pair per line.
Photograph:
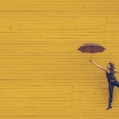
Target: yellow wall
42, 74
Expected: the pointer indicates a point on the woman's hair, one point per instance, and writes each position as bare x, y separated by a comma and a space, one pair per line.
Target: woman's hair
111, 67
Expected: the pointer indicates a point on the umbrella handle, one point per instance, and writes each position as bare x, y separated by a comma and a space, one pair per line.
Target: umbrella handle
91, 57
90, 60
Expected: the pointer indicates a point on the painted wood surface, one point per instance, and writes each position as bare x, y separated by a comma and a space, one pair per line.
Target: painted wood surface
42, 74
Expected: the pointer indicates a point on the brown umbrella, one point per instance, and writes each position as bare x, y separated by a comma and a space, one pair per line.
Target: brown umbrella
91, 48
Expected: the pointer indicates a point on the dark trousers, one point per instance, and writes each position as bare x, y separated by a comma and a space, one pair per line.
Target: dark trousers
111, 88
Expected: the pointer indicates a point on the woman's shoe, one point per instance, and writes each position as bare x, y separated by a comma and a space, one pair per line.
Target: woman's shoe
109, 107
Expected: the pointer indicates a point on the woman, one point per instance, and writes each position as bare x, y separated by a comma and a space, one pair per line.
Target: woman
110, 71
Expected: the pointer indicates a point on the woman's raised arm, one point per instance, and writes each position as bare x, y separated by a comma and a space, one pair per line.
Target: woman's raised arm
98, 66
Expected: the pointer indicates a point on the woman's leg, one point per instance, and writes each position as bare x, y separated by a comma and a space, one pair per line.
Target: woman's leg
111, 88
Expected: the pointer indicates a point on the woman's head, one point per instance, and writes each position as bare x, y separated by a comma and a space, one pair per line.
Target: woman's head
110, 66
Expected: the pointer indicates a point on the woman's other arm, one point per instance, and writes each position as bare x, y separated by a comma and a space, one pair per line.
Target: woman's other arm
116, 71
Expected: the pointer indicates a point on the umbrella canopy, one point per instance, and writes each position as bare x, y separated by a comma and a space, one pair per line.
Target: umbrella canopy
91, 48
